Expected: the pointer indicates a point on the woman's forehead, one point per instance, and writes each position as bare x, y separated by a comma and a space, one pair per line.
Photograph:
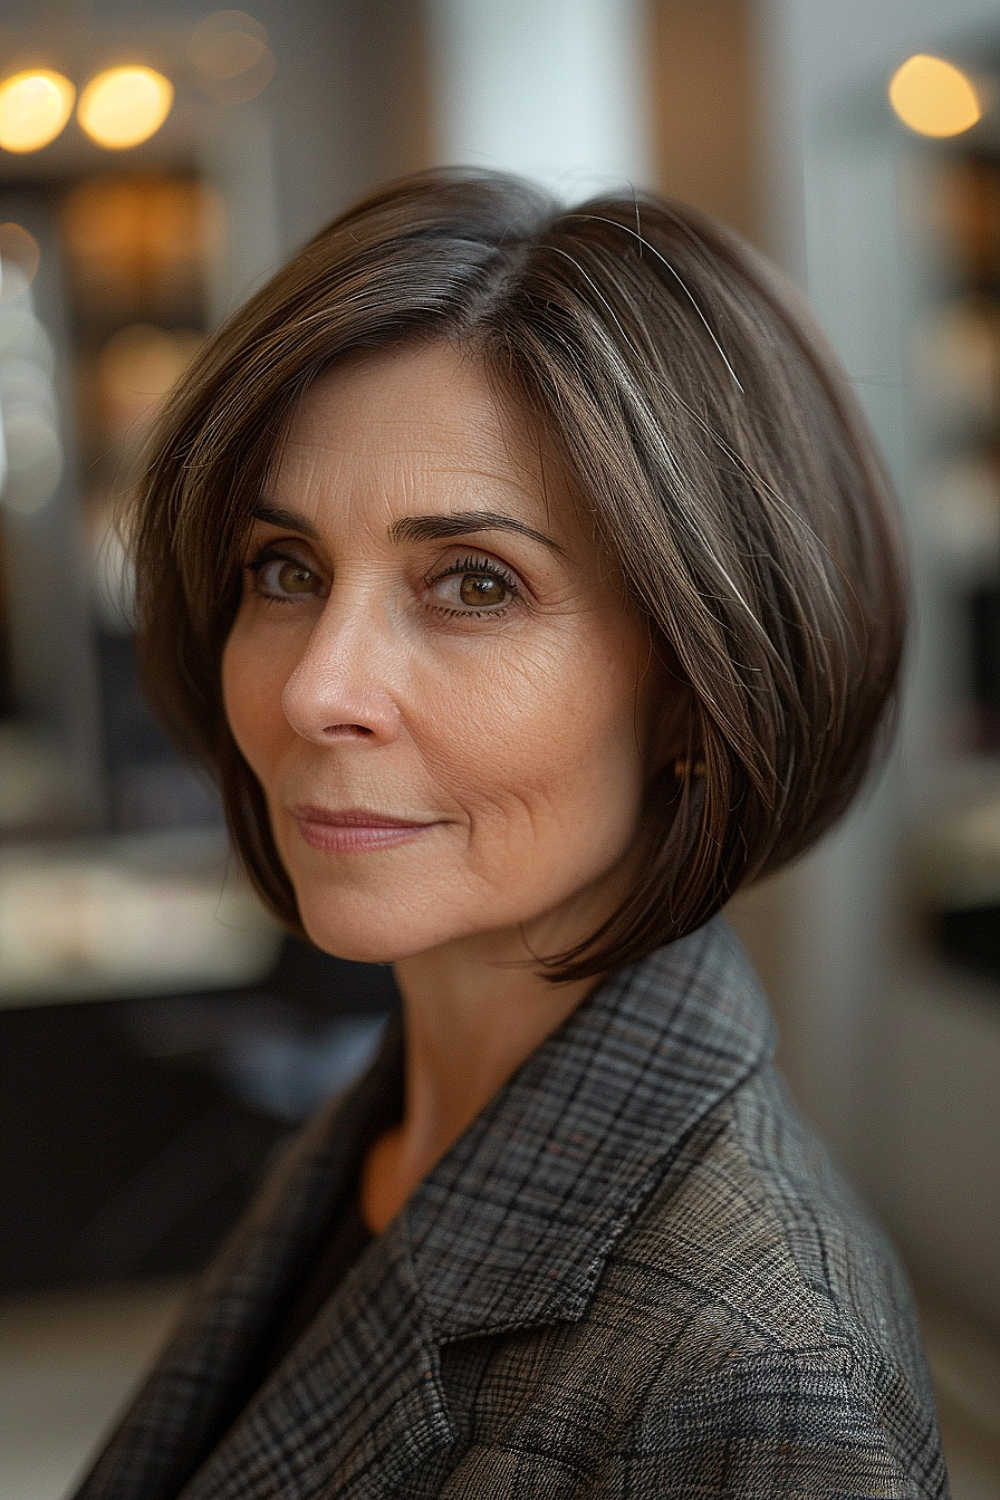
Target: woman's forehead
405, 426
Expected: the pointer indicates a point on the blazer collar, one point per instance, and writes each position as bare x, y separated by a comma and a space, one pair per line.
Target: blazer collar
513, 1226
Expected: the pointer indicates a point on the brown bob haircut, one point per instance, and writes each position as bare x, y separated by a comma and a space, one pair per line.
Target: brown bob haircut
715, 451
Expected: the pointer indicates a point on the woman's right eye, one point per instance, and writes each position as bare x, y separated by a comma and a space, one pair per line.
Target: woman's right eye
277, 576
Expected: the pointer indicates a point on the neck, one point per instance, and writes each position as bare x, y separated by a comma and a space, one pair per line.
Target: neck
469, 1026
471, 1018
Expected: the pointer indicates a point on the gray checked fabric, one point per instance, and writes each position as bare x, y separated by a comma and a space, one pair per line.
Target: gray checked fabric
636, 1275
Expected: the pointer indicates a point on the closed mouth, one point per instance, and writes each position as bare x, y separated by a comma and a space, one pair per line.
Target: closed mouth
354, 817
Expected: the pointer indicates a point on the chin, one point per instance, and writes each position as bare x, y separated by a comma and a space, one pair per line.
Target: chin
357, 937
359, 947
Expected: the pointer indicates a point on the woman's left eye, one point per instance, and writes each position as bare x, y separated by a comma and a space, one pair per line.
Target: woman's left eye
475, 586
277, 576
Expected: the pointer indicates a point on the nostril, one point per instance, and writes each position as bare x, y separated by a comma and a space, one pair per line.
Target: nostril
347, 730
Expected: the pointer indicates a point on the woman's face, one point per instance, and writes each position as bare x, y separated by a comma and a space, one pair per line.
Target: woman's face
431, 675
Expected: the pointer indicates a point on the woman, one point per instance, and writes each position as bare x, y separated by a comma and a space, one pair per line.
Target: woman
529, 581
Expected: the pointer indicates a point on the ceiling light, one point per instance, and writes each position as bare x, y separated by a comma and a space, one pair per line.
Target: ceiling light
933, 97
124, 106
34, 107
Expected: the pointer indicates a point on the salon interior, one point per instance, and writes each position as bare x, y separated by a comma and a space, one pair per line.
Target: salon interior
159, 1037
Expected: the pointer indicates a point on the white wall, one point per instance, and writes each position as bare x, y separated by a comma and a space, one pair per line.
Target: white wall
553, 89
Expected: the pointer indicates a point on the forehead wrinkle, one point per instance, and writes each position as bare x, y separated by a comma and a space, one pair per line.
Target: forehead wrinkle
416, 460
492, 479
452, 481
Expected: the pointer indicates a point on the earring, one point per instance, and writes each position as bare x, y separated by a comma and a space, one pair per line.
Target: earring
685, 767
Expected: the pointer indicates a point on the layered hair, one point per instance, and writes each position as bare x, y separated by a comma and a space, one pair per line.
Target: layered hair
713, 446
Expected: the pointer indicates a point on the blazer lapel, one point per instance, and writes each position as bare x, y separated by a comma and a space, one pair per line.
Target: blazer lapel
356, 1407
199, 1383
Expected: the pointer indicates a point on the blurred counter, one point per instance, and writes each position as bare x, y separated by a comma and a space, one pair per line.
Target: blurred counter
128, 915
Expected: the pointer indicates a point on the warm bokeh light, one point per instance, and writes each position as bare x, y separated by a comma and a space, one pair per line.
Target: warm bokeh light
231, 53
19, 260
34, 107
136, 245
136, 369
933, 97
124, 106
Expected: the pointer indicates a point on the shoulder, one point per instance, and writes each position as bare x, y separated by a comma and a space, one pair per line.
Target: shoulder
751, 1335
798, 1319
753, 1218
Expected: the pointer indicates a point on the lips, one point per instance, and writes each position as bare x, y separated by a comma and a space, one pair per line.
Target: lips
354, 830
352, 817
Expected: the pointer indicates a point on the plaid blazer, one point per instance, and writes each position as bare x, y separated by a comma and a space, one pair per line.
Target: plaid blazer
635, 1275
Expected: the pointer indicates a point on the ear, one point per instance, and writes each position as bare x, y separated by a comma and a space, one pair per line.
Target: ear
668, 702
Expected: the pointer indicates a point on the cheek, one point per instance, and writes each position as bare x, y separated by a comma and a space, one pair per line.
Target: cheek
251, 696
543, 742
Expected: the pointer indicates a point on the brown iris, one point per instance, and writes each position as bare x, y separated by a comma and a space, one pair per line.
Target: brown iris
480, 589
296, 579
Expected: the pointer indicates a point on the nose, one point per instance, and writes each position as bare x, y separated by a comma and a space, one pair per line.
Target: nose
339, 689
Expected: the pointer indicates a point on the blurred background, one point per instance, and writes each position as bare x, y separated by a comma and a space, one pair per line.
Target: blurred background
158, 1036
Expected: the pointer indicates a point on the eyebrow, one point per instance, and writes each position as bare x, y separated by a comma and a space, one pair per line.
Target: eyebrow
417, 528
462, 523
288, 520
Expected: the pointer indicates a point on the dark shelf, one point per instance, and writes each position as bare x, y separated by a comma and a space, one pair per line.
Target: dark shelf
134, 1131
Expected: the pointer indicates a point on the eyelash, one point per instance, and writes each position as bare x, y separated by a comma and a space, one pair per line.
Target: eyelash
480, 565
